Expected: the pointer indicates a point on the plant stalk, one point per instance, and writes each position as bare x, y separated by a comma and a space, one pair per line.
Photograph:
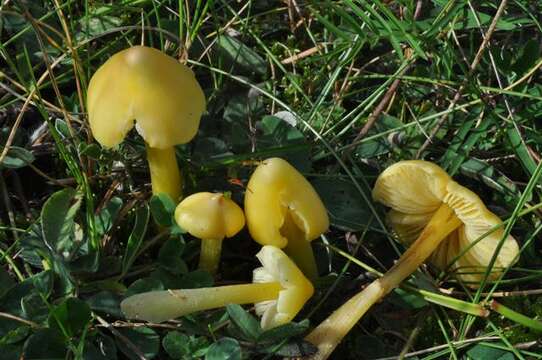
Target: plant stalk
331, 331
209, 256
158, 306
299, 249
165, 174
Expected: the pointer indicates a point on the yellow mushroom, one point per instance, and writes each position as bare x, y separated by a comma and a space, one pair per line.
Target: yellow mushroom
161, 95
210, 217
279, 290
283, 209
438, 218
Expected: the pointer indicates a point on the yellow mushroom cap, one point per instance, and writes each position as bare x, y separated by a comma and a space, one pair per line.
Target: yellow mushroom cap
297, 289
415, 189
274, 189
145, 85
208, 215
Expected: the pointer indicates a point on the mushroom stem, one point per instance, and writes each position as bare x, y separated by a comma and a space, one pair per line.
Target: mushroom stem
158, 306
209, 255
165, 175
331, 331
298, 248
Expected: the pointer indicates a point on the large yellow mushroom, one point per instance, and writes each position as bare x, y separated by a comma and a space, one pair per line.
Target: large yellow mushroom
439, 219
279, 291
210, 217
161, 96
283, 209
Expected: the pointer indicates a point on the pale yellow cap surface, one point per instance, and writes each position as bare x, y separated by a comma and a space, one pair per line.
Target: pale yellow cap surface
297, 289
415, 189
208, 215
274, 188
143, 84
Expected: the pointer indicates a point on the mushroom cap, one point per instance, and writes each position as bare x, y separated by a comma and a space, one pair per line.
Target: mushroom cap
145, 85
297, 289
209, 216
415, 189
274, 189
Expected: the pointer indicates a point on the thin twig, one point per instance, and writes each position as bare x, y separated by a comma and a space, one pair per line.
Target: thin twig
19, 319
294, 58
123, 338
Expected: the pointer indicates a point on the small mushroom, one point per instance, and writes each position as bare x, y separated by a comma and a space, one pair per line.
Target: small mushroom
143, 85
279, 290
439, 219
210, 217
283, 209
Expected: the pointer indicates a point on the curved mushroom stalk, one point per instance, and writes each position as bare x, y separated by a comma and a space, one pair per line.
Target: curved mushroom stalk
210, 217
436, 216
165, 174
283, 209
279, 291
135, 85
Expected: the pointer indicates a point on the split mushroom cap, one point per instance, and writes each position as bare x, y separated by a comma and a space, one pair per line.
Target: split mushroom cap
145, 85
296, 288
275, 189
279, 290
415, 189
208, 215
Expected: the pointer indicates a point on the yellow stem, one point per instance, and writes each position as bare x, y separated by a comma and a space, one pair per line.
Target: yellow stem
158, 306
165, 175
299, 249
209, 256
331, 331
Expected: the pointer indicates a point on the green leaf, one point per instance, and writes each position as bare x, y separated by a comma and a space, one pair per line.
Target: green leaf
34, 308
45, 344
519, 148
181, 346
136, 237
91, 150
6, 282
249, 326
106, 302
197, 279
224, 349
57, 219
481, 170
101, 348
407, 300
104, 220
143, 338
170, 256
144, 285
162, 209
17, 157
347, 209
10, 302
294, 349
484, 352
176, 344
72, 315
14, 336
285, 331
239, 58
62, 127
282, 139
